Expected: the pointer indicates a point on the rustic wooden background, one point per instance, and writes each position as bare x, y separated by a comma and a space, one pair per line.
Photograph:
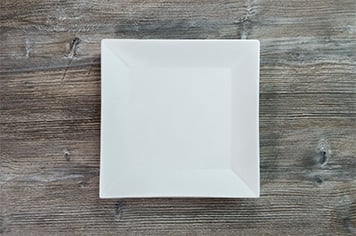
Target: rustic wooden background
50, 116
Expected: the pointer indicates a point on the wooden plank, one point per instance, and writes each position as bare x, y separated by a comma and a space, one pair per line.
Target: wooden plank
50, 117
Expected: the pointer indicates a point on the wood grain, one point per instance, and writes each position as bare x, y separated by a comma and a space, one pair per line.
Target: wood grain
50, 117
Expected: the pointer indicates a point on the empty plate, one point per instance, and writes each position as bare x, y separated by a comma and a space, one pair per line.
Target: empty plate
179, 118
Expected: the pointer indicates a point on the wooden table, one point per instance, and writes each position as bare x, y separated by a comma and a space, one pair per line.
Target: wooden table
50, 117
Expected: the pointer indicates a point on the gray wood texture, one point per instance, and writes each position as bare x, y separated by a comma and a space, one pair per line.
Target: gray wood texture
50, 116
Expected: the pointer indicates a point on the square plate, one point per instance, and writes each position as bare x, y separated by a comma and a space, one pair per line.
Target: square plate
179, 118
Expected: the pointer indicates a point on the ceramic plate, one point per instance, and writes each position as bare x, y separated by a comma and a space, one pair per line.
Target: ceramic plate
179, 118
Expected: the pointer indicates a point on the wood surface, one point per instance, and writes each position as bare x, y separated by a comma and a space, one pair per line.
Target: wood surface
50, 116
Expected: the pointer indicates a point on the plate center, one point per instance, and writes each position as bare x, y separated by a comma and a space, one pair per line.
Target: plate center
179, 118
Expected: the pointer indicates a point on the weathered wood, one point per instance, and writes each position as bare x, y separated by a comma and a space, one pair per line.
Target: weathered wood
50, 117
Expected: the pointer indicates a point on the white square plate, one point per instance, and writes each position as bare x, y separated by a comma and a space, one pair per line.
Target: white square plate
179, 118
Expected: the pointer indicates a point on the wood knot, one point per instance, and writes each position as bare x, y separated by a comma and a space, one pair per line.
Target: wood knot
66, 154
318, 180
83, 184
119, 208
315, 164
245, 21
323, 158
73, 47
249, 12
297, 55
323, 152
